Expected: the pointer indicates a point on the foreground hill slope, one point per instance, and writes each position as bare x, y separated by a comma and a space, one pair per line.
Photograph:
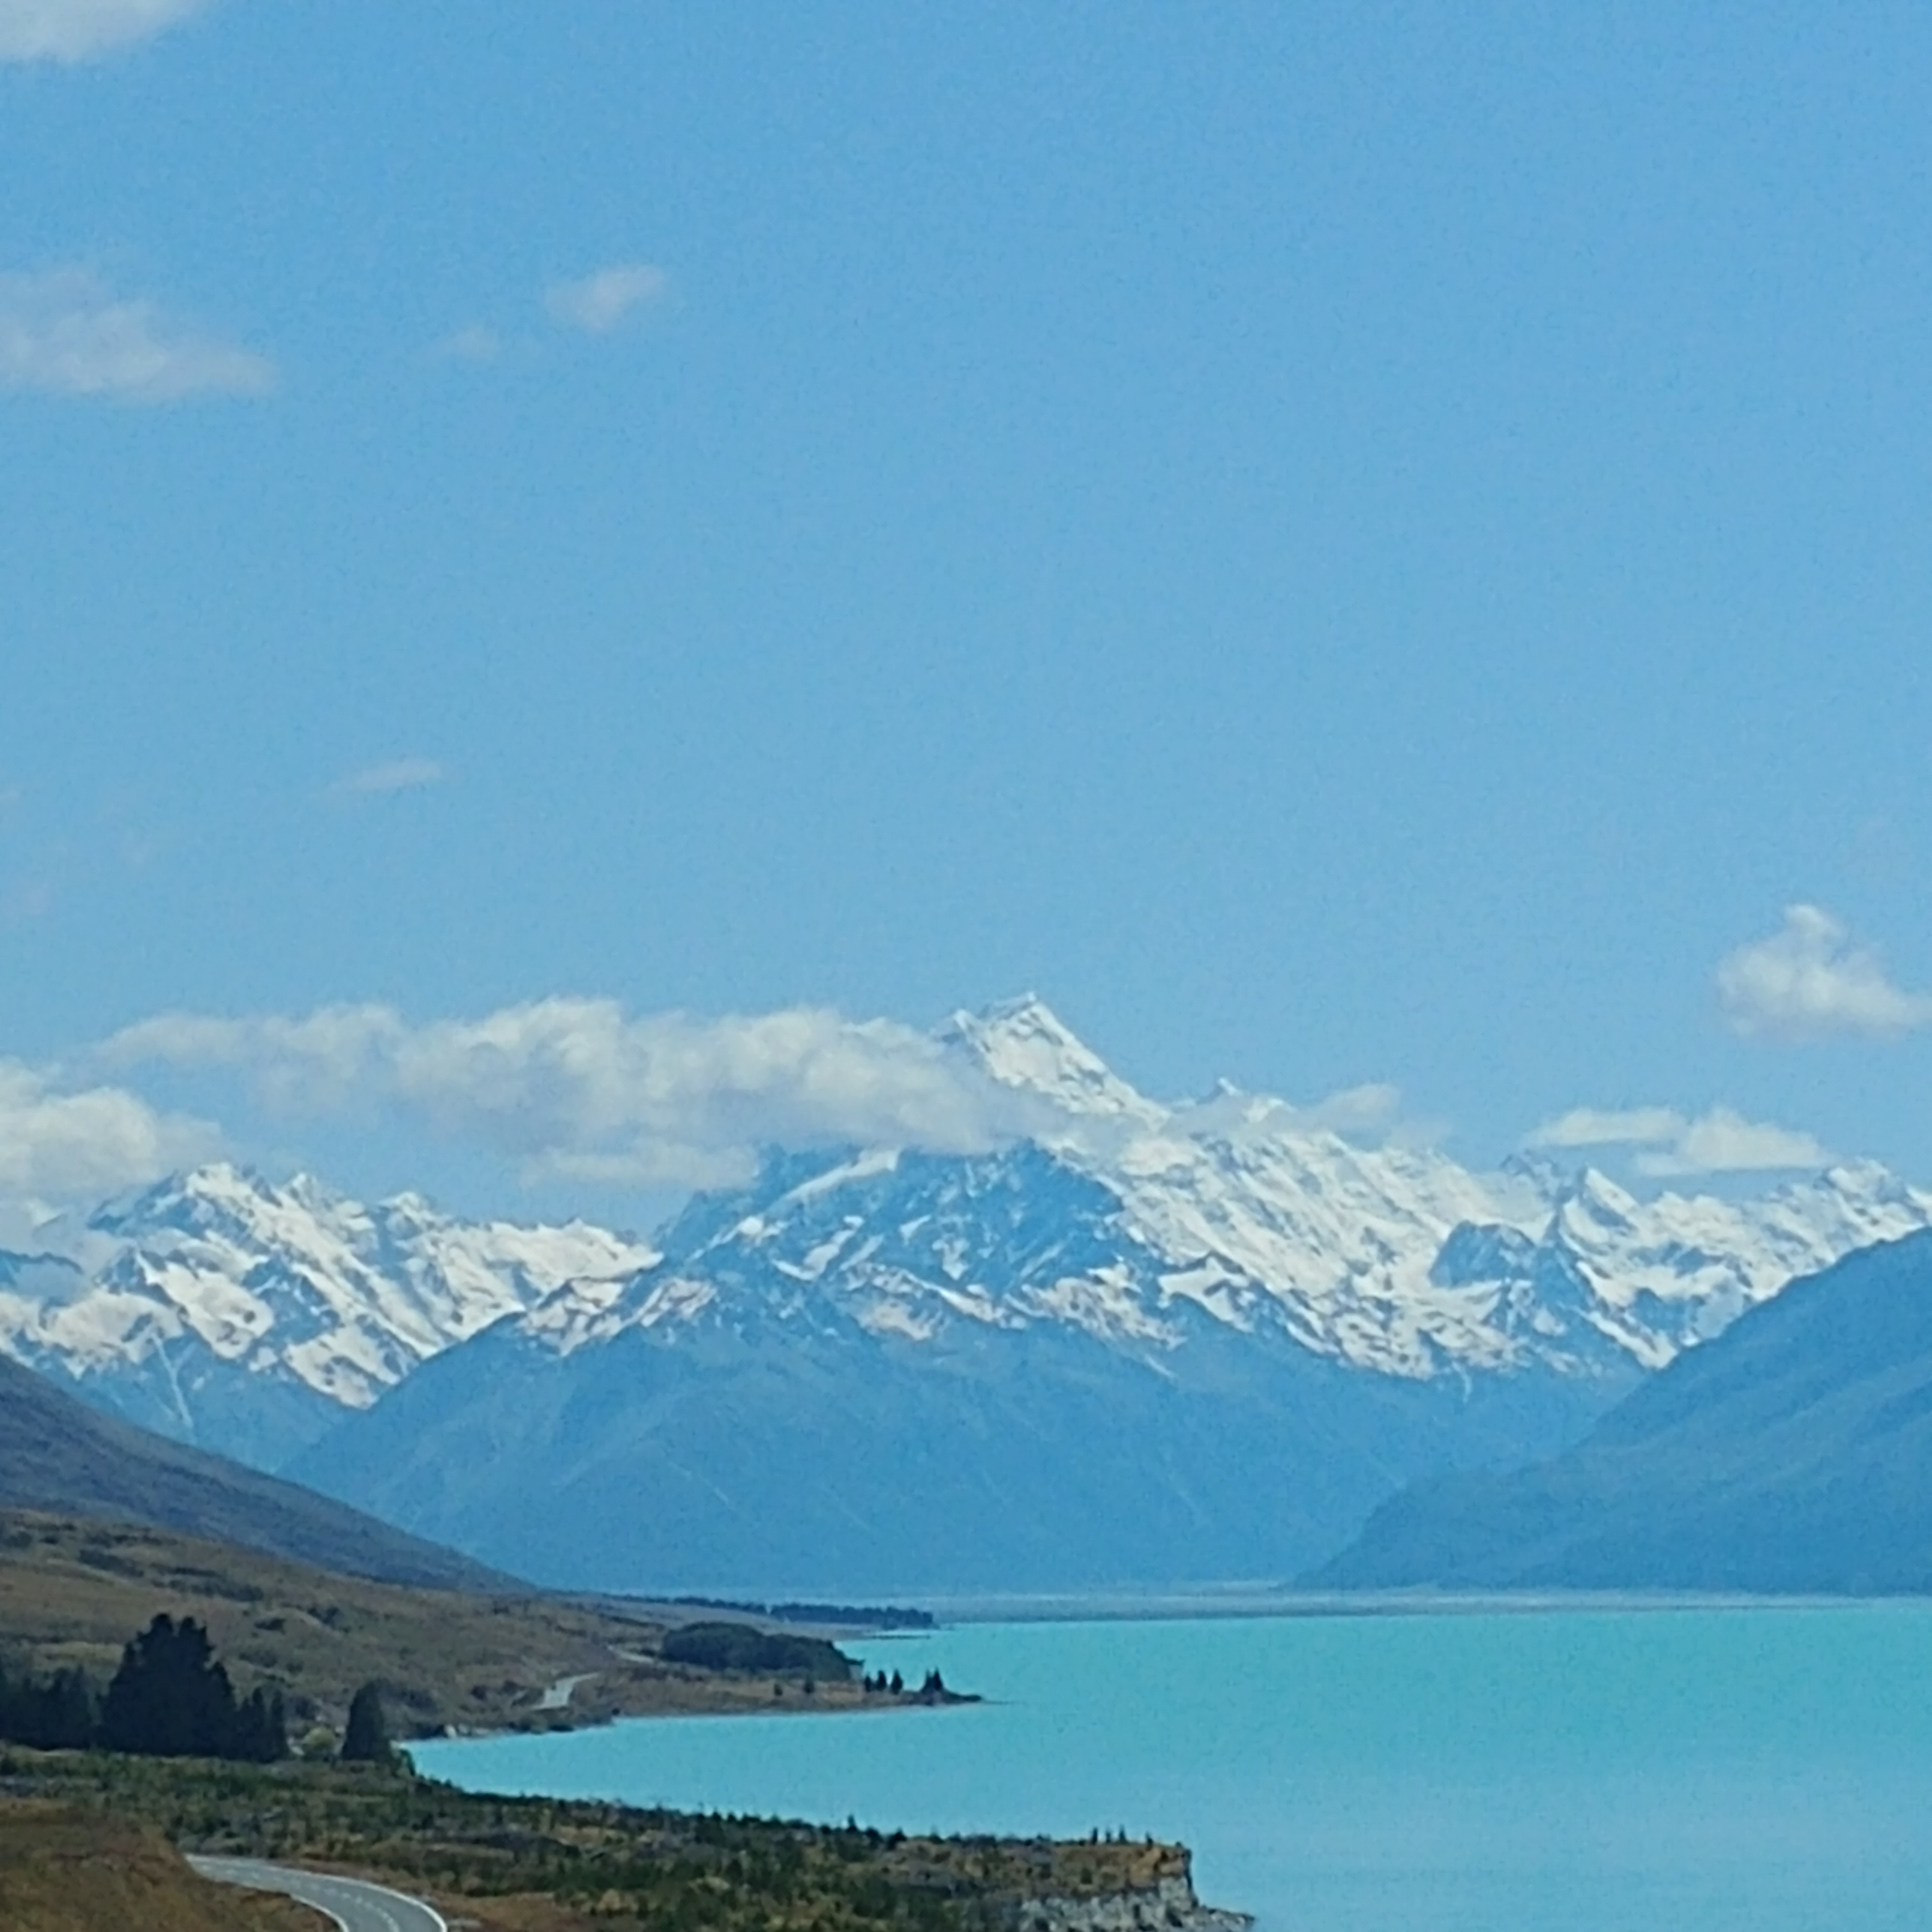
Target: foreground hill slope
1792, 1454
57, 1455
67, 1870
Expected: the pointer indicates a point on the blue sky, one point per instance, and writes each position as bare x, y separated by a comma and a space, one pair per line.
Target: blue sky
1339, 544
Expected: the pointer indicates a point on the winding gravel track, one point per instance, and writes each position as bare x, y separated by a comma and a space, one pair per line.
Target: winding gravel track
354, 1904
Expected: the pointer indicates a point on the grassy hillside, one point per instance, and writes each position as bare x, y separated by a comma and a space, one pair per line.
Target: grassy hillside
57, 1454
67, 1870
549, 1865
73, 1592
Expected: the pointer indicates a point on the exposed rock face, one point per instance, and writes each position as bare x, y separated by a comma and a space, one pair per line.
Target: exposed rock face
1168, 1905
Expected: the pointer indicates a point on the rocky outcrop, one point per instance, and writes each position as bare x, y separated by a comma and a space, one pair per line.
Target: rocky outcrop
1168, 1905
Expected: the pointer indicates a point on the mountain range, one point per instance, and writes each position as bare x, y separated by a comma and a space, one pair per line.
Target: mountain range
1143, 1343
223, 1310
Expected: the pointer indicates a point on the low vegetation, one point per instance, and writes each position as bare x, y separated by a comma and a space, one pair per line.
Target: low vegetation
507, 1865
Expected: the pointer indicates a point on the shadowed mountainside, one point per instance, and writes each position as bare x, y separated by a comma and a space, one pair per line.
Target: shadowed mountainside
761, 1454
57, 1455
1793, 1454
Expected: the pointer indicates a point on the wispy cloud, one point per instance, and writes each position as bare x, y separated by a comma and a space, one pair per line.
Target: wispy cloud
398, 774
57, 1144
598, 303
578, 1087
80, 30
474, 342
64, 332
1810, 978
1669, 1143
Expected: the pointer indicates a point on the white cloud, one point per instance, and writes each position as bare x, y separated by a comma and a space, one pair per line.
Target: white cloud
1720, 1141
79, 30
57, 1145
64, 332
398, 775
578, 1087
1809, 979
599, 302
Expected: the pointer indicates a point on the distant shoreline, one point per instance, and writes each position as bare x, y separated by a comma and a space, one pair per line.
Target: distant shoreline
1209, 1604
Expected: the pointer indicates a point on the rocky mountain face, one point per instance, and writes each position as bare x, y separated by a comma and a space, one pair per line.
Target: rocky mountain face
1147, 1342
1793, 1453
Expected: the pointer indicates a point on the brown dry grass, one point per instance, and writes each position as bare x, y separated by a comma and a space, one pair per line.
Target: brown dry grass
71, 1871
73, 1592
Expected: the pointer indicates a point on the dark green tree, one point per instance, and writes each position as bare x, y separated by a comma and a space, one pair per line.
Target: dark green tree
365, 1739
170, 1698
261, 1727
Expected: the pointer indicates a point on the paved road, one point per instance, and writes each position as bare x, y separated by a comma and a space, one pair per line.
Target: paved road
355, 1906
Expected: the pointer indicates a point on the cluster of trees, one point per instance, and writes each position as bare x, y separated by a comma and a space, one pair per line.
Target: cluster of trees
744, 1647
170, 1698
56, 1713
932, 1687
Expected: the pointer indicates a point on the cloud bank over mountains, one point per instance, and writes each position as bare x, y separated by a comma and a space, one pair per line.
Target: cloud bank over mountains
579, 1090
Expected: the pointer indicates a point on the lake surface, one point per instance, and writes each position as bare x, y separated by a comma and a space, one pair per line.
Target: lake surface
1734, 1771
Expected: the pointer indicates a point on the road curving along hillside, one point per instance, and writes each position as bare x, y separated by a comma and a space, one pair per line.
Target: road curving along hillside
353, 1904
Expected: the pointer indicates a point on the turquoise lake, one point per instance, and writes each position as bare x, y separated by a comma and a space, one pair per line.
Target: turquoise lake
1681, 1771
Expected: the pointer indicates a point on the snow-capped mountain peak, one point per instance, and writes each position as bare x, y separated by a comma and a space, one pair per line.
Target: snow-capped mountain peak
1024, 1044
1135, 1223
